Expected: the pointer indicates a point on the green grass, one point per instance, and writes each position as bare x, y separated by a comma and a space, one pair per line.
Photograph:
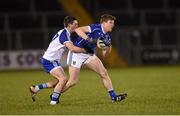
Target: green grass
151, 90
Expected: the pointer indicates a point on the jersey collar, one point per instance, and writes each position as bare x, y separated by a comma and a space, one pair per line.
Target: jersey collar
67, 31
103, 29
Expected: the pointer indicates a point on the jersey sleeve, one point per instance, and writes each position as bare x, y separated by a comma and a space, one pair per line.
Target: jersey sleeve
93, 27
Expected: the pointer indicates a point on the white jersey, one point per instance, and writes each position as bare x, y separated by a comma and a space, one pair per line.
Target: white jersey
57, 47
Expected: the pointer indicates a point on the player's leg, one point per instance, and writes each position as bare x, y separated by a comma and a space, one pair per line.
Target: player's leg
52, 84
59, 74
54, 68
75, 61
73, 79
48, 66
36, 88
96, 65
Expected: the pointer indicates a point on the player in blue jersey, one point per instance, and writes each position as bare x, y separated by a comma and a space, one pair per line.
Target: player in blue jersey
51, 60
88, 37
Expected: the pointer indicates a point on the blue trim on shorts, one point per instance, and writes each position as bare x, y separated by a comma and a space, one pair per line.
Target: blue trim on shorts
49, 65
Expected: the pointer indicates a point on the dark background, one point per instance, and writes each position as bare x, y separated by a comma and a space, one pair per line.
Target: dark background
146, 32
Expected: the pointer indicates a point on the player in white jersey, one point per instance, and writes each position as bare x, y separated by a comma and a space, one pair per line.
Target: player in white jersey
93, 33
51, 60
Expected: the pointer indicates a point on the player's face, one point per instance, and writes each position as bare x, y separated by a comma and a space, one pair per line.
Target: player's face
109, 25
74, 25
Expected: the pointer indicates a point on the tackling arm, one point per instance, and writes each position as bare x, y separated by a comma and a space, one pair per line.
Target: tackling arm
73, 48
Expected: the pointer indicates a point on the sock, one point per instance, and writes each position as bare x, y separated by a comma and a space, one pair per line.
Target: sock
41, 86
112, 94
55, 96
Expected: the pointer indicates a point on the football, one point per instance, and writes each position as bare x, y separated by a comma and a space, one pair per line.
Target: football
101, 44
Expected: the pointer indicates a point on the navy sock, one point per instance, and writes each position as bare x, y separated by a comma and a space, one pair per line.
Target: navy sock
42, 86
55, 96
112, 94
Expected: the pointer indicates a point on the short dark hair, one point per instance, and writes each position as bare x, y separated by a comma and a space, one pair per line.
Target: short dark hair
68, 20
106, 17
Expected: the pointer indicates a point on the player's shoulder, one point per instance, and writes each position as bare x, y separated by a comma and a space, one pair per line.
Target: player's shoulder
62, 31
95, 28
97, 25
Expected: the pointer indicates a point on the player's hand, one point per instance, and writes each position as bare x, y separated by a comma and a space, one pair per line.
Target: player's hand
107, 42
106, 52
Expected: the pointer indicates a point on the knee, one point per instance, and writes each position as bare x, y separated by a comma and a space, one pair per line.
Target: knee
65, 79
62, 79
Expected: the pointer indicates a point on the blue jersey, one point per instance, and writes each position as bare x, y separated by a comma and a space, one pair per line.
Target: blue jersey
96, 31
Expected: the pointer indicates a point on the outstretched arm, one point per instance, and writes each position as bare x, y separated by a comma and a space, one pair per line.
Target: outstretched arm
81, 31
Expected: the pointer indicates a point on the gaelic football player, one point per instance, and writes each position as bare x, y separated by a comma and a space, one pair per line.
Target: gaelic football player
88, 37
51, 60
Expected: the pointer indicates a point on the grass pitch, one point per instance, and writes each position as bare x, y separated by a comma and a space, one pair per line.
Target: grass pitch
151, 90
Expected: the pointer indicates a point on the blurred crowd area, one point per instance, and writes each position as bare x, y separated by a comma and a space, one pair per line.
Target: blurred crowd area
146, 31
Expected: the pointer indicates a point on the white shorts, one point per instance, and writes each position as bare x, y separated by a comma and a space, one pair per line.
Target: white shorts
78, 59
